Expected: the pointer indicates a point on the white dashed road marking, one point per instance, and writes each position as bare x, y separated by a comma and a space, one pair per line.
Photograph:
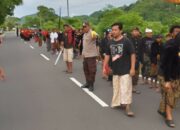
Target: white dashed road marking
96, 98
31, 47
45, 57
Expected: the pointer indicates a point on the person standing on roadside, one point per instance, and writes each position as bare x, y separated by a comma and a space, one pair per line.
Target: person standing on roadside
17, 31
90, 54
68, 45
53, 37
123, 66
40, 37
103, 46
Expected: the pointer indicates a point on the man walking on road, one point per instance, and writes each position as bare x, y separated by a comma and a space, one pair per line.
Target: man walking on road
136, 40
90, 54
146, 54
123, 67
170, 80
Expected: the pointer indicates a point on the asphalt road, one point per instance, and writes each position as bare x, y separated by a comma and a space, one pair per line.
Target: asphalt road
37, 95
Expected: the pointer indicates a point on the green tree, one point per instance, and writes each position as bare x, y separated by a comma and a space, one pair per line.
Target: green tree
46, 14
49, 25
157, 27
31, 21
11, 22
74, 22
7, 7
155, 10
107, 19
131, 20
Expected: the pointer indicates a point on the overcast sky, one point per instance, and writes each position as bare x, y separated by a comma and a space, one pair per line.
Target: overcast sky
77, 7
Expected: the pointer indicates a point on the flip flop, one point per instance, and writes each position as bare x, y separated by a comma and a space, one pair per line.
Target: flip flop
170, 123
162, 113
130, 114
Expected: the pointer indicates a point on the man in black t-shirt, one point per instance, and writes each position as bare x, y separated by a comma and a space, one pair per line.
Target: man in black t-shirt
102, 49
145, 47
123, 66
136, 40
170, 82
156, 51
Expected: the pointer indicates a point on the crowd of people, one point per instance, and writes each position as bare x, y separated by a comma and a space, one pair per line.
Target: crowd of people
124, 58
158, 61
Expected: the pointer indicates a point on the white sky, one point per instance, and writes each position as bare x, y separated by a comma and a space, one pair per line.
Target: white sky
77, 7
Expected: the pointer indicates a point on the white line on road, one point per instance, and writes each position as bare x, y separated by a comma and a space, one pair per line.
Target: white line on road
97, 99
32, 47
45, 57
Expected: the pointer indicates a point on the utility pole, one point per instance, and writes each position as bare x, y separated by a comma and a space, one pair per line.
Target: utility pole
59, 18
40, 22
68, 8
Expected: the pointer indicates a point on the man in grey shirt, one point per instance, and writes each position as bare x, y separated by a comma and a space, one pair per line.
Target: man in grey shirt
89, 53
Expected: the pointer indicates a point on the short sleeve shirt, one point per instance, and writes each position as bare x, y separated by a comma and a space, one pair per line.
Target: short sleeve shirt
121, 52
53, 37
89, 45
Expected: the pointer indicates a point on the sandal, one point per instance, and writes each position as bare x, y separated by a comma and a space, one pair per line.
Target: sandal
130, 114
162, 113
65, 71
170, 123
69, 72
136, 92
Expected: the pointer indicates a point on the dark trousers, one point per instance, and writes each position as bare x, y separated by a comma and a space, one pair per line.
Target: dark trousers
135, 78
48, 45
89, 66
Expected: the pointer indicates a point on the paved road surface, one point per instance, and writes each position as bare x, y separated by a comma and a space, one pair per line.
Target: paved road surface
39, 96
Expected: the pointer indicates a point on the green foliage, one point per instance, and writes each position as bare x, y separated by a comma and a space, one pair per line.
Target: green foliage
176, 20
155, 14
49, 25
7, 8
157, 27
74, 22
107, 19
131, 20
11, 22
45, 14
155, 10
31, 21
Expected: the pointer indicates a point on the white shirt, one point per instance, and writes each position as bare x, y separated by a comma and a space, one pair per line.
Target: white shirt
53, 36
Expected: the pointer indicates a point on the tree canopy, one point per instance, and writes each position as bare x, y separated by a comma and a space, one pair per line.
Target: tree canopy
7, 8
155, 14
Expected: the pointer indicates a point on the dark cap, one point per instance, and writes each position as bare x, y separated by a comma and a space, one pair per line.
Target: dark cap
159, 36
86, 24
